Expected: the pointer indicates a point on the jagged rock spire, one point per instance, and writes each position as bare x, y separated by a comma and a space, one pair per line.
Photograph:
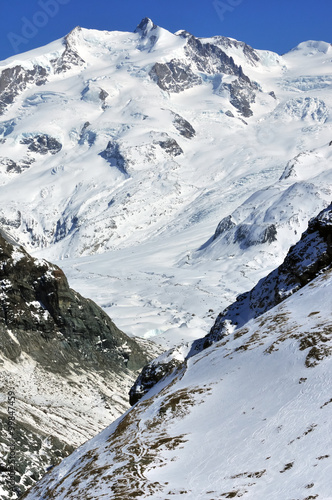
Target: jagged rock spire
145, 26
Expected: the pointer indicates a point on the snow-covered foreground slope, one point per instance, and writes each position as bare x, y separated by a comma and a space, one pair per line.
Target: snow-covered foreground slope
248, 417
122, 152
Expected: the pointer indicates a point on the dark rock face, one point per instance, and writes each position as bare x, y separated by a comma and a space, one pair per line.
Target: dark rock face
183, 126
35, 297
270, 234
69, 57
150, 376
16, 167
14, 80
113, 156
170, 146
174, 76
145, 26
224, 225
62, 335
246, 237
249, 52
42, 144
147, 31
210, 59
242, 94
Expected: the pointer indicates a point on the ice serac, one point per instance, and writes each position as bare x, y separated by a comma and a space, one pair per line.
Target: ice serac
64, 359
306, 260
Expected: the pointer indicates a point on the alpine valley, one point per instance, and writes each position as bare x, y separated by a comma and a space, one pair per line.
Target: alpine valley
184, 185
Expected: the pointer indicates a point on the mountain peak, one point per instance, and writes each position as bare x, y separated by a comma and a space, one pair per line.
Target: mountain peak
145, 26
312, 47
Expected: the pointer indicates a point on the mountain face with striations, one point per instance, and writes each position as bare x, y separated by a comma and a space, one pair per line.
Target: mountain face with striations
248, 416
66, 362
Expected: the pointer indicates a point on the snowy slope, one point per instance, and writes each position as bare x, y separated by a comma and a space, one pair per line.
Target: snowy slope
248, 417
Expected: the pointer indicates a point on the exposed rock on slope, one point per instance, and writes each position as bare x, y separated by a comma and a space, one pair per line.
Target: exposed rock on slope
14, 80
303, 263
69, 366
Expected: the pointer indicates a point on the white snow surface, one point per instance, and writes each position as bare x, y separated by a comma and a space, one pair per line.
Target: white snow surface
138, 241
248, 417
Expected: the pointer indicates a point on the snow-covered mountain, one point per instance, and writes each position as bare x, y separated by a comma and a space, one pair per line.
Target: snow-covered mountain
132, 148
249, 416
166, 174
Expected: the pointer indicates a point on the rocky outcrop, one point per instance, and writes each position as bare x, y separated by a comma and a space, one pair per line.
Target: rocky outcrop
246, 237
174, 76
13, 167
42, 144
70, 56
114, 157
210, 59
147, 31
35, 297
227, 43
170, 146
183, 126
145, 27
207, 59
224, 225
242, 94
60, 354
16, 79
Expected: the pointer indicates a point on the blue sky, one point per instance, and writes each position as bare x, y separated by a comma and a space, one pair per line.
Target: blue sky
277, 25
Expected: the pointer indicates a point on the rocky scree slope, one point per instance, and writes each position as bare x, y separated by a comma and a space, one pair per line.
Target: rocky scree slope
67, 363
306, 260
